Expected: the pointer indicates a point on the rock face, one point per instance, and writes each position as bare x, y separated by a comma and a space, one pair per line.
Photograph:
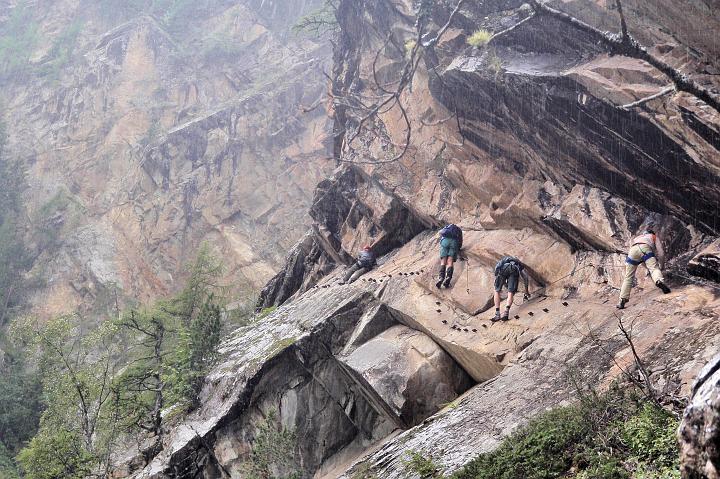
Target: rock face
350, 210
163, 130
700, 457
706, 264
527, 146
410, 373
526, 143
337, 368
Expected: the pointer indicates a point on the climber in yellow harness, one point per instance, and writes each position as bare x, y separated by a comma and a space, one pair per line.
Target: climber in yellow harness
647, 249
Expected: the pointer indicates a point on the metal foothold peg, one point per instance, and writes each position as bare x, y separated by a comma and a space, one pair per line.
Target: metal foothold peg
439, 310
517, 316
546, 310
474, 330
564, 303
444, 321
530, 313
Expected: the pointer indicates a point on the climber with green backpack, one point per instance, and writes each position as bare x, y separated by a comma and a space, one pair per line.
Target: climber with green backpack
451, 240
508, 272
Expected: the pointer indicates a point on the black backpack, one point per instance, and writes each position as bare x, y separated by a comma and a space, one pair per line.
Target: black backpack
507, 264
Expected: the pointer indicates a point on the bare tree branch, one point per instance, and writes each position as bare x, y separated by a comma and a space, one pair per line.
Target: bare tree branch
511, 28
445, 27
641, 101
625, 44
649, 389
394, 98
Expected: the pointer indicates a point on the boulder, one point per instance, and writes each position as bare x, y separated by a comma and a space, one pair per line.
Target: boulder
699, 432
706, 264
410, 373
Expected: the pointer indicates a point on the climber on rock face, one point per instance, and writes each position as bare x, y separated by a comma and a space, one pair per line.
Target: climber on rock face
364, 263
647, 249
508, 272
451, 239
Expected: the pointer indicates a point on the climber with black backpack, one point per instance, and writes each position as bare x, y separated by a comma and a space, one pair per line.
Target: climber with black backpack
451, 239
508, 272
365, 262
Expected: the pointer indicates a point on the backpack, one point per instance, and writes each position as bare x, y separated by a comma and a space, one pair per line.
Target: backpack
451, 231
507, 264
366, 259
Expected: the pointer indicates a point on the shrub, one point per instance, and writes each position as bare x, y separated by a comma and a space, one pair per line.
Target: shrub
650, 435
423, 466
479, 38
543, 449
409, 47
273, 452
54, 454
616, 435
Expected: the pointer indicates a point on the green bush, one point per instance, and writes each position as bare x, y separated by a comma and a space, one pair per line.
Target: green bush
423, 466
265, 312
544, 449
616, 435
650, 435
8, 469
274, 452
55, 454
19, 36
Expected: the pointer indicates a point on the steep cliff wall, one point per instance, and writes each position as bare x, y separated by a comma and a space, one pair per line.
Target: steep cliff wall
526, 144
163, 129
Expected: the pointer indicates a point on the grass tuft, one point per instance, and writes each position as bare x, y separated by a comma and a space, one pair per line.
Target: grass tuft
479, 38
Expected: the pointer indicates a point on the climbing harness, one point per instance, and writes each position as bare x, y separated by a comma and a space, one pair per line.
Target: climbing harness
645, 257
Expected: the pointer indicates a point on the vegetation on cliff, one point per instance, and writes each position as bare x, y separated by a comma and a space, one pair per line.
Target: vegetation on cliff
116, 381
615, 435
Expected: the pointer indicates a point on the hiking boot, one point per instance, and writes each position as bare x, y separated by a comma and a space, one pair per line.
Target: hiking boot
439, 284
506, 315
496, 318
663, 287
621, 304
447, 282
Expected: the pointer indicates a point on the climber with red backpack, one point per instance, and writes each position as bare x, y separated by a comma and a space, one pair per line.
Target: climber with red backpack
508, 272
451, 239
644, 249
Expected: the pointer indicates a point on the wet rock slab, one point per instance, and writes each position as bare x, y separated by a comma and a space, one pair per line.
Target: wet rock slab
410, 372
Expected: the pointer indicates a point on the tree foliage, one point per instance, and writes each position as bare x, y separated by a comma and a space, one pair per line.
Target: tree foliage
174, 344
320, 23
273, 454
19, 36
77, 426
120, 378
